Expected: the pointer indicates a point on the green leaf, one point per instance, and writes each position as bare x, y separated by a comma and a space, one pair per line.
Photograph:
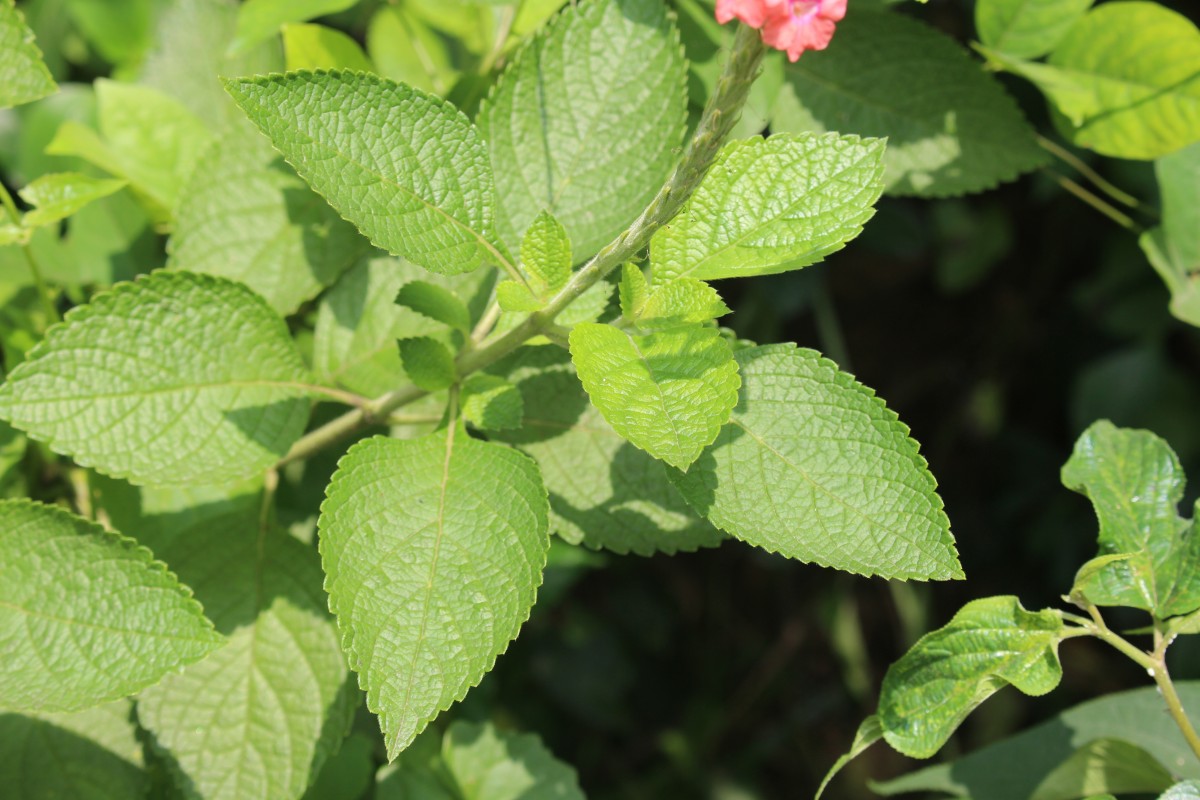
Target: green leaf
146, 137
433, 550
1016, 766
814, 466
428, 362
771, 205
516, 297
485, 762
683, 301
1187, 624
86, 615
1173, 248
119, 30
1135, 482
1125, 81
1104, 766
627, 504
191, 52
869, 732
404, 48
404, 166
479, 762
57, 196
348, 774
491, 403
277, 700
633, 291
319, 47
358, 323
176, 378
262, 19
246, 216
546, 253
586, 121
989, 644
23, 75
1027, 28
435, 302
90, 754
1187, 790
668, 393
959, 132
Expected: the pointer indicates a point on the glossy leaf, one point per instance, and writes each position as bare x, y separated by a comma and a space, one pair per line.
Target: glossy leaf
586, 121
959, 132
668, 393
406, 167
86, 615
176, 378
433, 550
1187, 790
1135, 482
1016, 766
770, 205
989, 644
814, 466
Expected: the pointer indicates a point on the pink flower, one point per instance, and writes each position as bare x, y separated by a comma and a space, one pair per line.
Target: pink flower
791, 25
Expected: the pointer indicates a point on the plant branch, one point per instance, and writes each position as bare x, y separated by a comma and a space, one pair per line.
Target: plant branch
1175, 706
1122, 219
39, 284
1067, 157
720, 115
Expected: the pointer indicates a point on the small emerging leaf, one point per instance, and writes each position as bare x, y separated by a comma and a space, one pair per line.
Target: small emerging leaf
669, 393
989, 644
684, 301
546, 253
516, 297
428, 362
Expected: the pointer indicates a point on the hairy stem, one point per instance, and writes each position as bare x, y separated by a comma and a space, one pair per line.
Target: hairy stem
1174, 706
720, 115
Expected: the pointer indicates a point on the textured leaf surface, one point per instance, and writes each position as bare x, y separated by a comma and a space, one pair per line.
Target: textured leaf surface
258, 717
1027, 28
479, 762
56, 197
814, 466
1125, 80
546, 253
989, 644
1016, 766
23, 75
683, 301
146, 137
177, 378
951, 127
245, 215
86, 616
604, 492
433, 551
1135, 482
769, 205
406, 167
1186, 790
587, 120
359, 322
262, 19
319, 47
668, 393
90, 754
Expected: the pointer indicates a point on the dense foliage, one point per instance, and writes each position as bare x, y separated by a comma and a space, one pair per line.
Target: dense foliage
339, 356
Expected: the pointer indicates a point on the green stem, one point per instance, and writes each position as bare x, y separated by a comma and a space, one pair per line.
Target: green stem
1175, 706
829, 327
1124, 220
1067, 157
39, 285
720, 115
